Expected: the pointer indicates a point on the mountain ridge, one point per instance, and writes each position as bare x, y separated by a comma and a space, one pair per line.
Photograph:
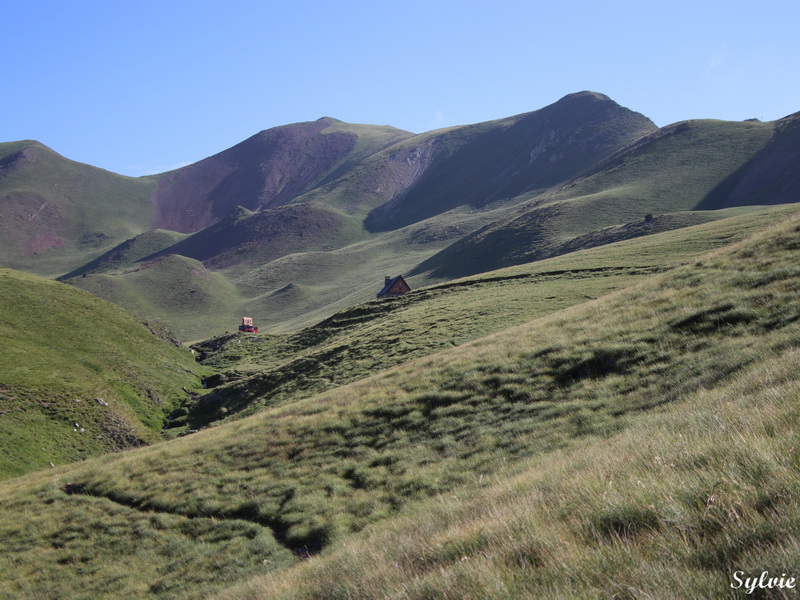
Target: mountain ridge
383, 200
57, 212
529, 151
635, 182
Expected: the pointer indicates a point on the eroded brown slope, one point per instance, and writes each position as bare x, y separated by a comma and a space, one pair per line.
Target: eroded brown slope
267, 170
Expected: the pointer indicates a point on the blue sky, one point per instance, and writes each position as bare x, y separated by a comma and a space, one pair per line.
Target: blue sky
142, 87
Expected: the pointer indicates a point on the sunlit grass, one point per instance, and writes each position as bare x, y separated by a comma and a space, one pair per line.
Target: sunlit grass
670, 507
66, 351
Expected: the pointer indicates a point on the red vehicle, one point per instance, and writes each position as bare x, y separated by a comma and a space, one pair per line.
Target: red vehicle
247, 325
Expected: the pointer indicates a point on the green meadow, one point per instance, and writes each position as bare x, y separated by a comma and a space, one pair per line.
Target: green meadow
637, 442
328, 249
63, 349
591, 391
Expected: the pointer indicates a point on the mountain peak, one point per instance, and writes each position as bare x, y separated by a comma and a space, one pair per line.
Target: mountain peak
587, 95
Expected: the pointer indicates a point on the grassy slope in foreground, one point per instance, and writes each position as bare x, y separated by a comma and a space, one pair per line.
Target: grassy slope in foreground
671, 507
313, 472
62, 349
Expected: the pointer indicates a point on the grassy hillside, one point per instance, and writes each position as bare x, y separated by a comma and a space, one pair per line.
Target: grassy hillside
129, 252
640, 441
672, 506
491, 162
255, 238
772, 176
638, 181
338, 279
481, 164
300, 263
302, 288
171, 289
64, 349
57, 213
255, 372
293, 288
304, 219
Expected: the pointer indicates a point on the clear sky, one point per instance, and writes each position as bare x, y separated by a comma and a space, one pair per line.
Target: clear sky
142, 87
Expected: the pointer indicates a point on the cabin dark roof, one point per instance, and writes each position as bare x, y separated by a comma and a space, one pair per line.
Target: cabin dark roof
394, 286
388, 285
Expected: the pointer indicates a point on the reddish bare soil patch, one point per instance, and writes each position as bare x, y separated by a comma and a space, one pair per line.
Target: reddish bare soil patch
41, 243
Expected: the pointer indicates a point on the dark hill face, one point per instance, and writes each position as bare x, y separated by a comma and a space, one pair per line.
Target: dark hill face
772, 176
259, 237
480, 164
682, 167
265, 171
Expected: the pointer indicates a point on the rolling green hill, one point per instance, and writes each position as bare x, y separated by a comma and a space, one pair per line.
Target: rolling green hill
499, 160
482, 164
301, 221
57, 214
579, 173
641, 440
267, 170
80, 376
769, 177
171, 289
256, 238
129, 253
590, 392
